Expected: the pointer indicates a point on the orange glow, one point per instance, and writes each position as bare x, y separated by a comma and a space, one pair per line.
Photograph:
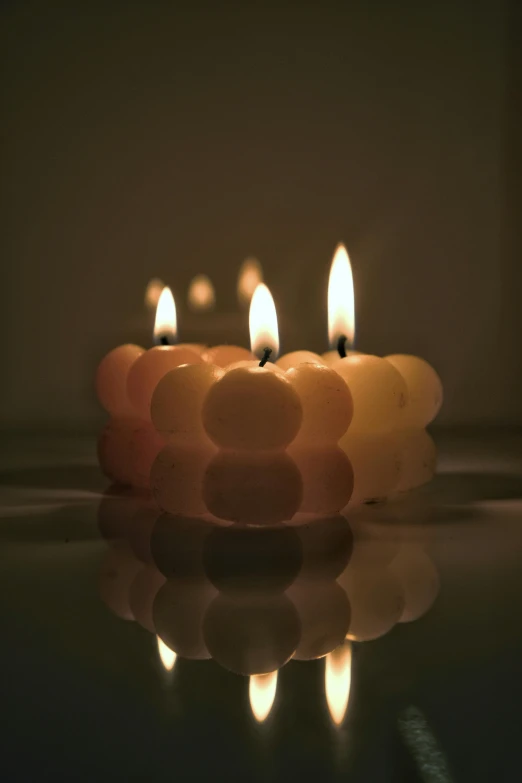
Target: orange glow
337, 680
341, 308
153, 292
201, 294
262, 691
250, 275
263, 322
167, 656
165, 324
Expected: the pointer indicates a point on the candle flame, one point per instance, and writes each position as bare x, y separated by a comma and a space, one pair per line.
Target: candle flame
262, 691
337, 680
165, 325
153, 292
341, 307
201, 294
167, 656
250, 275
263, 322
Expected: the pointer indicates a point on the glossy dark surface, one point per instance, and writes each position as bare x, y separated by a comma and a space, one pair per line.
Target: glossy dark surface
434, 697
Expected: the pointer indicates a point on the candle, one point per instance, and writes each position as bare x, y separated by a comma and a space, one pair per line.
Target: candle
177, 475
259, 488
376, 459
178, 400
327, 478
150, 367
111, 379
379, 391
326, 402
294, 358
127, 449
224, 355
251, 407
424, 389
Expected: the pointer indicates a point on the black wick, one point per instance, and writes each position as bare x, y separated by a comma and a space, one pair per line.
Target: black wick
341, 346
266, 357
164, 340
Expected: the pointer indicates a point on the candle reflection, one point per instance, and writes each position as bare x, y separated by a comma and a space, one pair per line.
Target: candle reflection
153, 292
250, 275
201, 294
262, 691
337, 680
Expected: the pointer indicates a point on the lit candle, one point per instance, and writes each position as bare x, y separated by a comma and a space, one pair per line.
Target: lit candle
253, 407
150, 367
378, 390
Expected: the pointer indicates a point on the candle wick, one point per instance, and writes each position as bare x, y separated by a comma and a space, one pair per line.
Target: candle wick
266, 356
341, 346
164, 340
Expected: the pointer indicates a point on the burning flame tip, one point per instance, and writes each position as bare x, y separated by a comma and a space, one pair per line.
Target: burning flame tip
263, 322
341, 316
166, 320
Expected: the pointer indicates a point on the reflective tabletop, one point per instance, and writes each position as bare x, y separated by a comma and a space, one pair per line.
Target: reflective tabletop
381, 643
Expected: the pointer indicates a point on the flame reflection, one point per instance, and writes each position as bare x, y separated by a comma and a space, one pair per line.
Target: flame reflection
167, 656
262, 691
337, 680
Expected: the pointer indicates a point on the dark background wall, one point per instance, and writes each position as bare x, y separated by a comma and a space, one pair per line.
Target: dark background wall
150, 139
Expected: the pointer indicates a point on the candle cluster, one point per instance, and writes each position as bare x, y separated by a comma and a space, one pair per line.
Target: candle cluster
182, 414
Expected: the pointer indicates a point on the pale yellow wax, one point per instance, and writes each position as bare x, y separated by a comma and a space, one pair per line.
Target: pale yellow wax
142, 593
424, 389
378, 391
376, 599
324, 613
298, 357
178, 613
376, 461
200, 348
252, 408
149, 369
330, 357
419, 579
270, 366
111, 380
176, 478
223, 355
327, 477
251, 634
126, 450
178, 400
326, 402
258, 488
418, 458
